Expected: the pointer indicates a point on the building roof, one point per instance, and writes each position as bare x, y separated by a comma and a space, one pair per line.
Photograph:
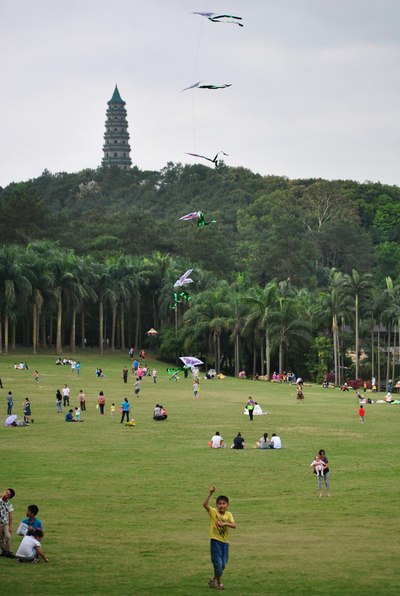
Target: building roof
116, 98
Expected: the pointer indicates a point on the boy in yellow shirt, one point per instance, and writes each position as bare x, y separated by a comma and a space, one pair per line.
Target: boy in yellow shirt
221, 520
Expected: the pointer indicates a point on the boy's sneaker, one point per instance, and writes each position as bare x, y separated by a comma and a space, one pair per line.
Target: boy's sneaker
220, 587
212, 583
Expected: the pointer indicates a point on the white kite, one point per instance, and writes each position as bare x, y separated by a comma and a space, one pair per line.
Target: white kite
185, 279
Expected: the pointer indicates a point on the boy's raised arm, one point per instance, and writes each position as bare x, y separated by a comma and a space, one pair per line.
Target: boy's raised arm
207, 499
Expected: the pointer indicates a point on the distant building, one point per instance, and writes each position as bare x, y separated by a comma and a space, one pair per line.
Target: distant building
116, 146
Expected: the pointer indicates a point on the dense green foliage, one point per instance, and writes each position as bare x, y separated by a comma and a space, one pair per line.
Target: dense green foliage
95, 254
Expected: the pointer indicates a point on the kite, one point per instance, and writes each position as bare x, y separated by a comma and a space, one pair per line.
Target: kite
220, 18
174, 370
190, 360
185, 279
198, 85
215, 160
200, 218
180, 297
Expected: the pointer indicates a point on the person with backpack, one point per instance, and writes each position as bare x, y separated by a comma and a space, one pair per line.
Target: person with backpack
101, 402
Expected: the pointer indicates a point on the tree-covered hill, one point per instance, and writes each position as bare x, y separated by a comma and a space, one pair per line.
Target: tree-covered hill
294, 274
269, 226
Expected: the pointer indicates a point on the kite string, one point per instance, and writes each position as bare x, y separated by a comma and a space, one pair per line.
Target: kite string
196, 59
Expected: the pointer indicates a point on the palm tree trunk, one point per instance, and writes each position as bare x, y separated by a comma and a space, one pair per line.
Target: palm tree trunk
372, 349
73, 331
280, 355
357, 338
59, 321
34, 329
6, 332
268, 353
388, 354
137, 330
122, 326
13, 337
394, 350
51, 327
262, 358
43, 323
237, 354
378, 348
101, 327
218, 352
335, 349
83, 344
113, 324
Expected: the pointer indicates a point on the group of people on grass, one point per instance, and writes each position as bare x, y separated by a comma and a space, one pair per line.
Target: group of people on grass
217, 442
31, 528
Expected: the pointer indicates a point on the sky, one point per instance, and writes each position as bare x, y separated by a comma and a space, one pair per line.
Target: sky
315, 85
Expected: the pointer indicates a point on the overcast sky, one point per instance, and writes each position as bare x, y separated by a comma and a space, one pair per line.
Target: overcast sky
315, 85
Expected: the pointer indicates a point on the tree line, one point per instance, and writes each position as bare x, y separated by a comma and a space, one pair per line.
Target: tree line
289, 277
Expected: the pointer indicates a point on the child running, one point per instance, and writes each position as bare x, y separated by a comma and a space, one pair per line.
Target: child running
221, 521
361, 413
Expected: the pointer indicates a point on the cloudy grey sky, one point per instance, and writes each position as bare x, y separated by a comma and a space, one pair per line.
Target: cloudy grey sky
315, 85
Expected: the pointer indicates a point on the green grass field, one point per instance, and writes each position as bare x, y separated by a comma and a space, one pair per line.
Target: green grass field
122, 507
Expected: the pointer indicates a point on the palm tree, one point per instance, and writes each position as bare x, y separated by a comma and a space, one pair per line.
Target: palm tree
261, 302
335, 303
288, 322
391, 316
14, 284
358, 285
208, 317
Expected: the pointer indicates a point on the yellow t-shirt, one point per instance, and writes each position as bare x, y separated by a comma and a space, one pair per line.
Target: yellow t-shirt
217, 533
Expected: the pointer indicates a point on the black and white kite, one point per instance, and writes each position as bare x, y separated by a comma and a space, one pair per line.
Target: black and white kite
220, 18
215, 160
199, 85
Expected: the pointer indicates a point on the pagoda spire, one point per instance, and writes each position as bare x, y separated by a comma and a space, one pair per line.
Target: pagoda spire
116, 148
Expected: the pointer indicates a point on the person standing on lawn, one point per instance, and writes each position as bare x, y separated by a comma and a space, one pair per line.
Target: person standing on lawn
125, 410
6, 510
221, 520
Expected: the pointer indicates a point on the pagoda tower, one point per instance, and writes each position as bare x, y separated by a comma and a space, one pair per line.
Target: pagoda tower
116, 146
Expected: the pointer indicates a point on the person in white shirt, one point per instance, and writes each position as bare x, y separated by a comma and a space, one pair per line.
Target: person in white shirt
30, 548
65, 394
275, 442
216, 441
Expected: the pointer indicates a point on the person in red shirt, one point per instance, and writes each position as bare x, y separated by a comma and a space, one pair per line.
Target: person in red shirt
361, 413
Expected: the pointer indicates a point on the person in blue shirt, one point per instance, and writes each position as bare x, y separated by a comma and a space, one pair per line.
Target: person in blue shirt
31, 520
125, 410
69, 417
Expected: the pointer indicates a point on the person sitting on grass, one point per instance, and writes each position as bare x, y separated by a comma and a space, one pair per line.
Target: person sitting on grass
263, 442
275, 442
159, 413
30, 522
69, 417
238, 442
30, 548
216, 441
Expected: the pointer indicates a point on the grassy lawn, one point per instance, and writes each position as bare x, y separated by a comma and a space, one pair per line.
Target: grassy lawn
122, 507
